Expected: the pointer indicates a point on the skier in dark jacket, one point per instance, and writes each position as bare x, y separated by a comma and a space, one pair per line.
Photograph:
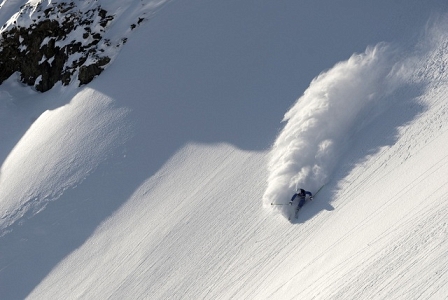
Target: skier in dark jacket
301, 195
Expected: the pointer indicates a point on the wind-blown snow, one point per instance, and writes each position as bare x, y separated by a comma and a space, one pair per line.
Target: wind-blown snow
321, 124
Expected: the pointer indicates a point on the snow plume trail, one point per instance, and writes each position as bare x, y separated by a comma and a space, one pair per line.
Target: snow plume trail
336, 105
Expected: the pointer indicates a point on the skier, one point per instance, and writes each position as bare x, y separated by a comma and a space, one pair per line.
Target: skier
302, 198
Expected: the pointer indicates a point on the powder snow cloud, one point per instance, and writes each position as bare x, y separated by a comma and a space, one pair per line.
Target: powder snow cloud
319, 126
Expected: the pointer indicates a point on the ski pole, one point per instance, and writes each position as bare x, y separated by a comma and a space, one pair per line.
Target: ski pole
279, 204
318, 190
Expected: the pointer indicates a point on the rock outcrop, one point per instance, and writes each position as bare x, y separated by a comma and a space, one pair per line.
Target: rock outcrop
58, 43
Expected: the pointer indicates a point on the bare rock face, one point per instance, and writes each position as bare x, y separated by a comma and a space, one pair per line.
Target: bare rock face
60, 43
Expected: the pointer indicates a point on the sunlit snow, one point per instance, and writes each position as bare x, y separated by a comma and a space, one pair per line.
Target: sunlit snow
154, 181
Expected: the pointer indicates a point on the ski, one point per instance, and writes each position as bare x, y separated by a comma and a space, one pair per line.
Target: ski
296, 215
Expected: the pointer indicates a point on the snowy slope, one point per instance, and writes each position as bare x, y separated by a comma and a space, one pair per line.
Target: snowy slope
155, 180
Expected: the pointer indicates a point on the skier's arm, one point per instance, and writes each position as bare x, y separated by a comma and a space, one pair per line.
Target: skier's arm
311, 195
292, 199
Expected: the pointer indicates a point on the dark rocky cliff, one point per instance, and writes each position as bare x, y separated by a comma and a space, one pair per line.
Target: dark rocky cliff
55, 43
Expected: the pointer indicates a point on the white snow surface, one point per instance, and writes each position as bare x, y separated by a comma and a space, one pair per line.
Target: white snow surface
155, 181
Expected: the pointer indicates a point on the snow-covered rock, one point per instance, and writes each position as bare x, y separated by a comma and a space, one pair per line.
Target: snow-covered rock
73, 34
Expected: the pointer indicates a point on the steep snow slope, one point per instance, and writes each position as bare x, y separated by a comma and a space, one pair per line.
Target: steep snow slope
149, 182
196, 229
